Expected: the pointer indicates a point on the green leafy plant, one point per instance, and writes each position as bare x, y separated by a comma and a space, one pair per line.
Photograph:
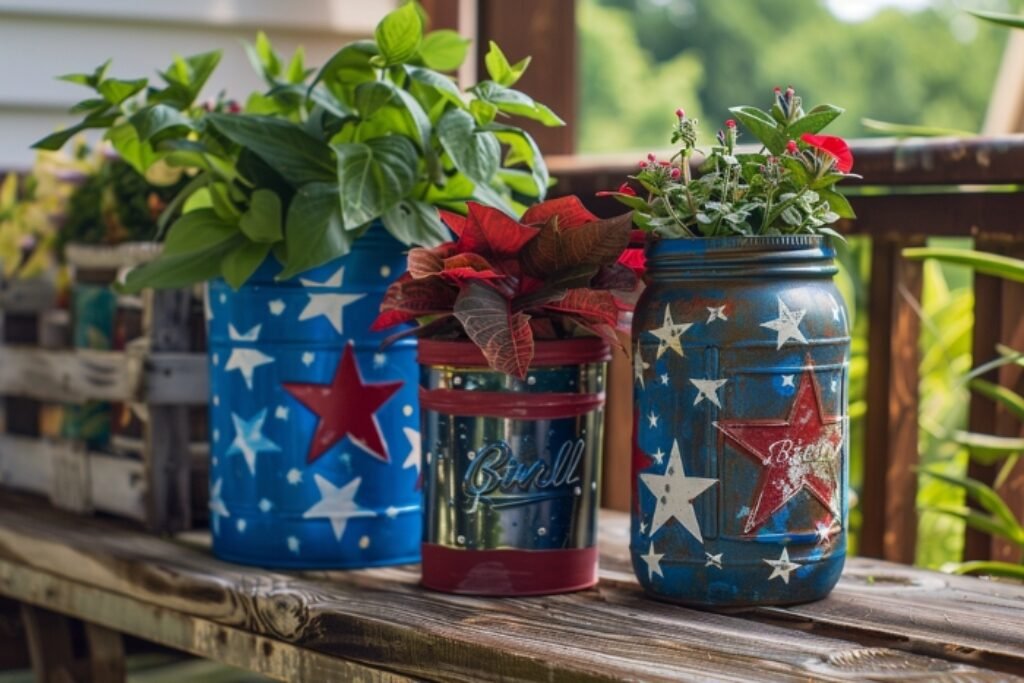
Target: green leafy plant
378, 133
785, 187
504, 283
994, 517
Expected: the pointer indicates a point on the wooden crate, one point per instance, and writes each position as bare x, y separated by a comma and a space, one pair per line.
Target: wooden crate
158, 478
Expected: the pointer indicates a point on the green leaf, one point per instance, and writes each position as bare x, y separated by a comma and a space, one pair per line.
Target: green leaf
1010, 399
313, 231
763, 127
399, 35
975, 520
55, 141
125, 139
297, 156
475, 153
95, 106
89, 80
263, 58
988, 499
837, 202
297, 67
504, 337
117, 91
980, 261
524, 150
349, 66
515, 102
990, 568
373, 176
986, 447
439, 83
170, 271
905, 130
444, 50
415, 223
372, 96
500, 70
814, 120
150, 121
483, 112
196, 231
222, 203
240, 263
1011, 20
262, 221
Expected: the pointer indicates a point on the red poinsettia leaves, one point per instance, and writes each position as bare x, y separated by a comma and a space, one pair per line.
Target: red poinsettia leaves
409, 298
543, 328
454, 221
463, 267
569, 210
597, 306
504, 337
424, 262
597, 243
635, 260
490, 231
833, 146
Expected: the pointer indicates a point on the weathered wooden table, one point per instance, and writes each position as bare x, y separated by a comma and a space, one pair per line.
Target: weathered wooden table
883, 622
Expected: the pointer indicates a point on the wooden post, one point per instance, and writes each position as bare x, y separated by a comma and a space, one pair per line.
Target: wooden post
617, 472
998, 319
888, 501
49, 644
546, 31
106, 654
166, 454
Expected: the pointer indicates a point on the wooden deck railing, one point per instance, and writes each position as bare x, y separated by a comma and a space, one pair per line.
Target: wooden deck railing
911, 190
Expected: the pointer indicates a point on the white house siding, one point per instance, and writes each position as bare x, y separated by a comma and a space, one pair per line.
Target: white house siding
42, 39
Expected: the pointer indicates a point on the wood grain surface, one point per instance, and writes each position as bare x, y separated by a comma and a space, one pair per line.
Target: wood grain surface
902, 623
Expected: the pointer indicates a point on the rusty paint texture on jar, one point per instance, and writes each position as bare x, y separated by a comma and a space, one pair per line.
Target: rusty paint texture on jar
741, 353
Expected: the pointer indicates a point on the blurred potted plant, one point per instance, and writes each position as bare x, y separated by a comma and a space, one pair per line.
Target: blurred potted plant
740, 363
515, 321
297, 210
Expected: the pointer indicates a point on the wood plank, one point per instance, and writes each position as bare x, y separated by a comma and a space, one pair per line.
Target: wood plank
888, 500
14, 653
84, 374
167, 322
545, 31
617, 472
197, 636
116, 484
382, 618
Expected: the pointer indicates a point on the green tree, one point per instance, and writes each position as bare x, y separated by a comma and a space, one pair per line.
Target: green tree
934, 66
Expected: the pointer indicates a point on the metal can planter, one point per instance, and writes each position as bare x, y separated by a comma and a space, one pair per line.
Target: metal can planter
741, 350
315, 451
512, 469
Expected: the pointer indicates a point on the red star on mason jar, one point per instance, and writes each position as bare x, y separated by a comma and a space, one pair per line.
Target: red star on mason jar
800, 453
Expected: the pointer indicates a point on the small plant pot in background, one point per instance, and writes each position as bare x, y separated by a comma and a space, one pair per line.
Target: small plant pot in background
313, 427
512, 468
741, 353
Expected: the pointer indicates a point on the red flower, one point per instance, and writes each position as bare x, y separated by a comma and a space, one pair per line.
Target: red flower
730, 123
791, 147
624, 188
834, 146
680, 113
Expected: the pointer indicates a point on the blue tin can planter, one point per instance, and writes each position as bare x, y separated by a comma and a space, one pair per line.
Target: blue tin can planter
512, 469
314, 440
93, 307
741, 349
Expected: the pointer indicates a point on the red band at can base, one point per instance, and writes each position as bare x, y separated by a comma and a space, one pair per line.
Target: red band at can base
508, 572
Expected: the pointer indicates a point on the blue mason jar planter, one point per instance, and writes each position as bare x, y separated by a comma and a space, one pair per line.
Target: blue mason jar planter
315, 448
741, 350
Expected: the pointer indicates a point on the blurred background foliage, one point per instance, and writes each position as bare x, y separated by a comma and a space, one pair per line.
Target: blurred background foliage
920, 62
911, 62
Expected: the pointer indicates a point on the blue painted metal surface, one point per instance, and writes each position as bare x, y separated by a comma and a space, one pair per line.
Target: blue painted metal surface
314, 428
94, 307
741, 349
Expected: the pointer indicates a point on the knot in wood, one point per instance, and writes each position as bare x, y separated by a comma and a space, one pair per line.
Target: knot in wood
282, 612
